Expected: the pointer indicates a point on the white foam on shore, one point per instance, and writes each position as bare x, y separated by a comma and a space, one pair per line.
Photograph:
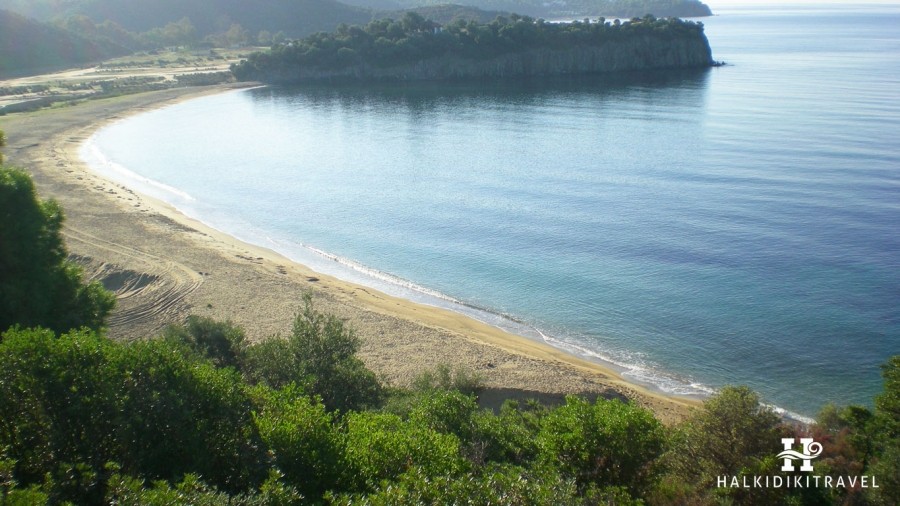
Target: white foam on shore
629, 366
101, 164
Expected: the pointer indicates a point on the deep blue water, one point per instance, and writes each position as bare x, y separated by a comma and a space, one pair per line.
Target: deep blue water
731, 226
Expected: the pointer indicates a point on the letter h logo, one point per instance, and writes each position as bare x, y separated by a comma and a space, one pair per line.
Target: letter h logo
811, 450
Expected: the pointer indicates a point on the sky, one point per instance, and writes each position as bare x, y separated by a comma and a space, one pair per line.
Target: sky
744, 3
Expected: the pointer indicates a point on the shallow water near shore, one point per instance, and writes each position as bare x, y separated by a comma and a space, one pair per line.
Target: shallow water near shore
730, 226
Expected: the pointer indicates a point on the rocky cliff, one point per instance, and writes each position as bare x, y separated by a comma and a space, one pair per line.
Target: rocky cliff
644, 53
521, 47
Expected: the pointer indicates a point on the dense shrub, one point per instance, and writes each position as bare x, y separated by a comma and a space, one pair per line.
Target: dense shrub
509, 437
382, 446
73, 403
220, 342
388, 43
319, 355
300, 435
38, 285
607, 443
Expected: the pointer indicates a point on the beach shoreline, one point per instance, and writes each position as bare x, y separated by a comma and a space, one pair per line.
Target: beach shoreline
164, 266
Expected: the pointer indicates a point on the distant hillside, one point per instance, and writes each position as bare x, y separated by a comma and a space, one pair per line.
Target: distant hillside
561, 8
302, 17
293, 17
27, 45
90, 30
447, 13
42, 10
416, 49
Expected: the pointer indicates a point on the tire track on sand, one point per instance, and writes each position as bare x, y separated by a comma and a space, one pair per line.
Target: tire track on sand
150, 290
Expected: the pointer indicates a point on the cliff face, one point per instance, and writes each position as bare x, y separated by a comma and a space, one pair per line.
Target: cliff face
636, 53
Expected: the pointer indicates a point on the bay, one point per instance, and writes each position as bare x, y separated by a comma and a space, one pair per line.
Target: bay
696, 229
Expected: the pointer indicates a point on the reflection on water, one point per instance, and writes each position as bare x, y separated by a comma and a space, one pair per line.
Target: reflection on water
435, 97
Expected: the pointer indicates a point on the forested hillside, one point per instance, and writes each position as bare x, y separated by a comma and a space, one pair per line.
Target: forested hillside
293, 17
27, 45
624, 9
447, 13
414, 48
302, 17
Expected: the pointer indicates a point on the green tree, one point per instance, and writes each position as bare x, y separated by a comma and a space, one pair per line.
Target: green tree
381, 446
501, 485
221, 342
887, 403
124, 490
886, 425
732, 435
12, 494
301, 438
73, 403
320, 355
272, 363
399, 44
236, 35
38, 285
510, 437
607, 443
447, 412
731, 430
181, 32
443, 377
182, 415
57, 396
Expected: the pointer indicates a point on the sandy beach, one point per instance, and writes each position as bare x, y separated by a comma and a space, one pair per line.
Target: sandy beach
165, 266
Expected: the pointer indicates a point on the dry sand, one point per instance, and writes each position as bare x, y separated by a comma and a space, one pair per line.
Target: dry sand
165, 266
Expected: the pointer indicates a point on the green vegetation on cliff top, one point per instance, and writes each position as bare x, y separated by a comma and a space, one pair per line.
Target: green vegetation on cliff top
356, 53
41, 35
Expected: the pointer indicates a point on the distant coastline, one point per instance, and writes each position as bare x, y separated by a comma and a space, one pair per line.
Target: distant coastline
486, 10
415, 49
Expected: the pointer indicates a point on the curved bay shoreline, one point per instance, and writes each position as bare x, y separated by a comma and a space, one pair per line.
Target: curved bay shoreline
165, 266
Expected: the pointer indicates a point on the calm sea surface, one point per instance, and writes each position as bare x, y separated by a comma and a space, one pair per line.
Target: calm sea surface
733, 226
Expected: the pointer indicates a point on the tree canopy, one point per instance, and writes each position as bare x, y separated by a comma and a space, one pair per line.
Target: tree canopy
387, 43
38, 285
571, 8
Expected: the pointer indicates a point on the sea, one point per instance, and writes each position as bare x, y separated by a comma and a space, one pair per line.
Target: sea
738, 225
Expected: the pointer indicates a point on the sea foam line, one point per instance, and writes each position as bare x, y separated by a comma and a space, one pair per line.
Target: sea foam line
378, 274
90, 152
634, 370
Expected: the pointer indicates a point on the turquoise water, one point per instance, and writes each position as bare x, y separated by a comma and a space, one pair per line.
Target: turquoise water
731, 226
